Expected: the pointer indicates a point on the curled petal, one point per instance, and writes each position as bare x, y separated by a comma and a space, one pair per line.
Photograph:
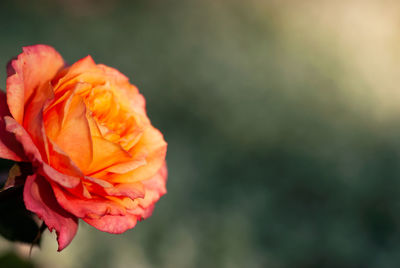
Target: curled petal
62, 179
39, 198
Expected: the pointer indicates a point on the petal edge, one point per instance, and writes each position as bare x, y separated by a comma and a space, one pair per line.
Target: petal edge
39, 198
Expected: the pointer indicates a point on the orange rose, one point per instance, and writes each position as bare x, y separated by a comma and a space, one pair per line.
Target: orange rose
84, 129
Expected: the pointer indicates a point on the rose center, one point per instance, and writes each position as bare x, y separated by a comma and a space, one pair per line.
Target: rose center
114, 121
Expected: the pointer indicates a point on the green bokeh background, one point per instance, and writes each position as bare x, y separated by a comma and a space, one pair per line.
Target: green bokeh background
282, 119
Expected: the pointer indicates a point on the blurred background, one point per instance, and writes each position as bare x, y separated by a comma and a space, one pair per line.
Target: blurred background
283, 124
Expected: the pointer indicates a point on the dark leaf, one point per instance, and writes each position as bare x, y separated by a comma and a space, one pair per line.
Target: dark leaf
16, 222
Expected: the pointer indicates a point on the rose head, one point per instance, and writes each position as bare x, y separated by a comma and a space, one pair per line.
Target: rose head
84, 129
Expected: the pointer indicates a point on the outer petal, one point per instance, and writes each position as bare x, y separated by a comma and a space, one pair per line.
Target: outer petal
155, 188
157, 185
113, 224
39, 198
9, 146
33, 68
94, 208
31, 151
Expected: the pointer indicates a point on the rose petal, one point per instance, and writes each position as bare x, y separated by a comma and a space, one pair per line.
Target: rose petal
103, 188
153, 143
66, 124
74, 184
60, 161
39, 198
106, 154
158, 182
126, 92
10, 148
68, 75
31, 151
131, 190
155, 188
33, 68
95, 207
101, 183
29, 88
137, 161
113, 224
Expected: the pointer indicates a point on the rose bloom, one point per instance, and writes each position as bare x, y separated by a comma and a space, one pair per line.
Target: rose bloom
84, 129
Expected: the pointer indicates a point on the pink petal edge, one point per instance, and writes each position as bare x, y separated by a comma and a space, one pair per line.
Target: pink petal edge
9, 146
39, 198
36, 65
113, 224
